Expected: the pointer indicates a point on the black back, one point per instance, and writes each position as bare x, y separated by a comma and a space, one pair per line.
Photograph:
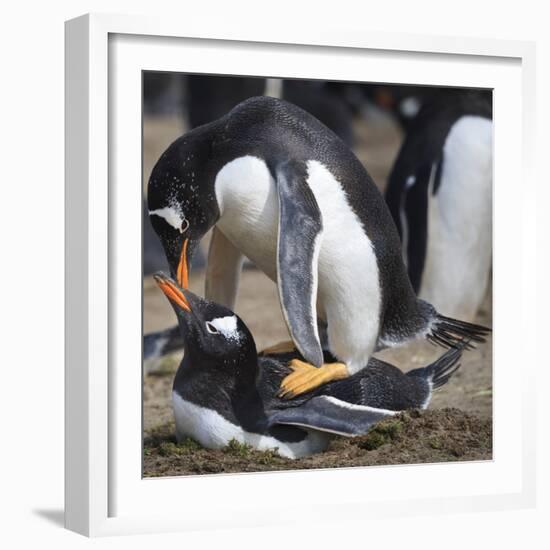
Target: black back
250, 401
380, 385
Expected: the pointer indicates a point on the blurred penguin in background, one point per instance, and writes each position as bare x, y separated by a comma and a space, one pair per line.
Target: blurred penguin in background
403, 103
326, 101
440, 196
209, 97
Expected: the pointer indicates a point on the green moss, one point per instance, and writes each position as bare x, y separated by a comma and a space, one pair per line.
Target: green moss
381, 434
373, 441
243, 450
390, 428
170, 448
189, 444
268, 457
237, 448
159, 434
167, 448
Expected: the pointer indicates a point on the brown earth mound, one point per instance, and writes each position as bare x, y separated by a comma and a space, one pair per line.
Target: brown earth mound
413, 437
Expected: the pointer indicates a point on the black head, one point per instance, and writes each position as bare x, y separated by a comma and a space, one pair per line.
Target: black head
213, 335
182, 201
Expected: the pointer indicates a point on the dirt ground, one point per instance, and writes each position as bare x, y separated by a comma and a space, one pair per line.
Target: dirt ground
413, 437
458, 425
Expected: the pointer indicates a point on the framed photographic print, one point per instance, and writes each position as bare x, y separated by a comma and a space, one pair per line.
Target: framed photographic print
287, 272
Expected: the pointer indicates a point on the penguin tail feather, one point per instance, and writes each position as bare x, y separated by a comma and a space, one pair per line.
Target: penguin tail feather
440, 371
452, 333
445, 367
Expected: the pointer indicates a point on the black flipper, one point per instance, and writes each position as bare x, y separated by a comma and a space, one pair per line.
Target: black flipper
328, 414
299, 239
157, 344
407, 197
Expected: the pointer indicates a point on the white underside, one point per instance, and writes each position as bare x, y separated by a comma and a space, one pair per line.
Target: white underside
459, 248
348, 289
213, 431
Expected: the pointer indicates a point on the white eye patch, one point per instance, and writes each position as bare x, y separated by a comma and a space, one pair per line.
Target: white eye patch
173, 217
226, 326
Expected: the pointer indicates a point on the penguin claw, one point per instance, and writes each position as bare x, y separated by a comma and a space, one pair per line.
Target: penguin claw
305, 377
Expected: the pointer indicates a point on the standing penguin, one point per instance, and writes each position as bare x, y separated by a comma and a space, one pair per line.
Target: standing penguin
223, 390
287, 193
440, 197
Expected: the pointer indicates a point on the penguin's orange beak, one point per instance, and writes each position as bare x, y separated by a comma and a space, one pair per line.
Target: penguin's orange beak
172, 292
183, 271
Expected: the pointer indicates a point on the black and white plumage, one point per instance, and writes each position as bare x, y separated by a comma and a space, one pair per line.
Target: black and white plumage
284, 191
223, 390
440, 196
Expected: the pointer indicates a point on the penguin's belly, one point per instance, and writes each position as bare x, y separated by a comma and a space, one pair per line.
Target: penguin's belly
349, 294
213, 431
459, 249
247, 196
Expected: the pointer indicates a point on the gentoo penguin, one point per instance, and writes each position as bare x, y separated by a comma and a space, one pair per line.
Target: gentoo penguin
223, 390
440, 196
287, 193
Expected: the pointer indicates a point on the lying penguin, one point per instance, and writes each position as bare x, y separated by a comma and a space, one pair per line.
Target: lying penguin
286, 192
223, 390
440, 196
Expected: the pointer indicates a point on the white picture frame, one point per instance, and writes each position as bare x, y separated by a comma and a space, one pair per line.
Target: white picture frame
105, 493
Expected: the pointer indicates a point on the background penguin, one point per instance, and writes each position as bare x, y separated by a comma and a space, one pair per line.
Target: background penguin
211, 96
326, 101
440, 197
286, 192
223, 390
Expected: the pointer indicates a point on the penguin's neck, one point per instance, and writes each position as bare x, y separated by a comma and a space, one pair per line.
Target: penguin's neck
232, 377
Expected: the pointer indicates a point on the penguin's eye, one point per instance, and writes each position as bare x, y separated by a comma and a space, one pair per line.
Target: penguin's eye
184, 226
211, 328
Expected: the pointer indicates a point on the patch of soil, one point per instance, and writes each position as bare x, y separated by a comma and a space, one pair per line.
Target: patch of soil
413, 437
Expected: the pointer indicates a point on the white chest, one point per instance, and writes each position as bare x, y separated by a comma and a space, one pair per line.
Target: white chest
213, 431
459, 247
349, 294
247, 197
